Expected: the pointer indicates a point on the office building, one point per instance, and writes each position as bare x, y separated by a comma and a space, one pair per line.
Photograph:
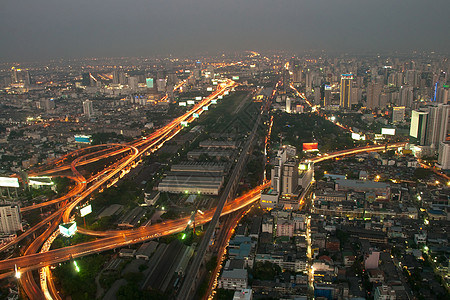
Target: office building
406, 96
290, 178
10, 219
444, 155
437, 124
418, 127
115, 77
398, 114
327, 95
20, 77
346, 90
288, 105
373, 95
88, 108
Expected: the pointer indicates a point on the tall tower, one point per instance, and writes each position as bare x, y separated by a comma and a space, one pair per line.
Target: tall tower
373, 95
437, 124
346, 90
418, 129
88, 108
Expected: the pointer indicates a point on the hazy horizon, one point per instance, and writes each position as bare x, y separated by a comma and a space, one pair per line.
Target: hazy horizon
51, 29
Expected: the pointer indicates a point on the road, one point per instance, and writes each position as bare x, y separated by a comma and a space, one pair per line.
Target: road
190, 280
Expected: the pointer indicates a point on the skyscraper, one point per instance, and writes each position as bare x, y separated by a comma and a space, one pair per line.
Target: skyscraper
418, 127
10, 219
88, 108
437, 124
373, 95
327, 95
444, 155
346, 90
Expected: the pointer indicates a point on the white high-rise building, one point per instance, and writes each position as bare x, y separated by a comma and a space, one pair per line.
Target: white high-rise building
398, 114
88, 108
288, 105
437, 124
418, 127
10, 219
444, 156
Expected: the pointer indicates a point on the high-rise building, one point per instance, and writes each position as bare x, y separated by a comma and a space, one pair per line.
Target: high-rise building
85, 79
115, 77
290, 178
406, 96
20, 76
418, 127
133, 82
373, 95
327, 95
437, 124
88, 108
10, 219
444, 155
288, 105
346, 90
398, 114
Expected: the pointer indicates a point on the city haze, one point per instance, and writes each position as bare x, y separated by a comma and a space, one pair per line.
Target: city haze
73, 29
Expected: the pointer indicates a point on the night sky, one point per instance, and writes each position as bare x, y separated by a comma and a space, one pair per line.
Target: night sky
47, 29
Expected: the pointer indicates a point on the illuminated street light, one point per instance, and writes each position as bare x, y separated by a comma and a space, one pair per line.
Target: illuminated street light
77, 268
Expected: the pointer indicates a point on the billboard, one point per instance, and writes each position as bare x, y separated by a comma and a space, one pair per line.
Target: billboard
308, 147
68, 229
85, 210
388, 131
9, 182
149, 82
220, 97
235, 78
328, 87
198, 98
356, 136
182, 103
82, 139
190, 102
209, 89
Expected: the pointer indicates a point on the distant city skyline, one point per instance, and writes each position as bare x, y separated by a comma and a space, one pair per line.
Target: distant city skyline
50, 29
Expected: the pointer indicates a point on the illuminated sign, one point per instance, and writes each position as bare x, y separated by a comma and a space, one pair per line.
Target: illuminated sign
184, 123
68, 229
85, 210
205, 107
220, 97
309, 147
226, 92
209, 89
9, 182
149, 82
328, 87
182, 103
388, 131
198, 98
304, 166
190, 102
195, 115
235, 78
347, 76
214, 101
83, 139
379, 136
